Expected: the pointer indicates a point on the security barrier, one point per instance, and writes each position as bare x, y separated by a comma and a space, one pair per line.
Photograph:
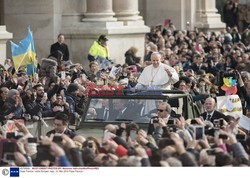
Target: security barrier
41, 126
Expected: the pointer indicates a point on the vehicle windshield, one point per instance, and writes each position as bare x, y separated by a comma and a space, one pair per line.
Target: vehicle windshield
127, 109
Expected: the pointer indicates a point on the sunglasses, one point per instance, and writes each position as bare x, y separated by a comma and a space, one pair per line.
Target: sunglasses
160, 110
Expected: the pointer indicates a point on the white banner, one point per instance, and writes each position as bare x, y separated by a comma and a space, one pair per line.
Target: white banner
230, 105
244, 122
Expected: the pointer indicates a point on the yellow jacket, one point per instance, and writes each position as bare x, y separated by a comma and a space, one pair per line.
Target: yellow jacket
98, 50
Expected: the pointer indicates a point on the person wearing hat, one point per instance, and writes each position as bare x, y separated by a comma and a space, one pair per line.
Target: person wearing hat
71, 98
99, 49
50, 67
13, 107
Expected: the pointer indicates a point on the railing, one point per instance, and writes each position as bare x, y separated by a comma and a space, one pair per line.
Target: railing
40, 127
36, 127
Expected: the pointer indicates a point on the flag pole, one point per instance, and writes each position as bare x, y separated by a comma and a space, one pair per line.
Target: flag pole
20, 62
33, 71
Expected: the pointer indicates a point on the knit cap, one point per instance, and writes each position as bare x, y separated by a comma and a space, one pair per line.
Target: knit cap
12, 92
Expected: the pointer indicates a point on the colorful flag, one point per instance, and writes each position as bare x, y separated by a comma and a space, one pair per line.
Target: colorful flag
31, 69
24, 52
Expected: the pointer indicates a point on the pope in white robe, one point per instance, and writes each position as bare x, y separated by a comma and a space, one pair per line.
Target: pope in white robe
157, 76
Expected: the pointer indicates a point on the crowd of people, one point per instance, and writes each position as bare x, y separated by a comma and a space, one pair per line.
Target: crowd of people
191, 61
236, 14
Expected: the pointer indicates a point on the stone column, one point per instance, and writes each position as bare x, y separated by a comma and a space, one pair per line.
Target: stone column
207, 17
190, 12
208, 6
4, 36
99, 19
126, 10
99, 10
158, 10
72, 11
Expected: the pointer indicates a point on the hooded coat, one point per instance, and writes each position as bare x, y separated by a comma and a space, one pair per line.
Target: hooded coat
49, 68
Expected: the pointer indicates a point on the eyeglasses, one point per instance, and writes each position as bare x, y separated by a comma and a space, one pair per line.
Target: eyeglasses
160, 110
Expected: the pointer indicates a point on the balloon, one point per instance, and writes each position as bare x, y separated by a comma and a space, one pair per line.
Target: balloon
230, 81
225, 88
234, 82
229, 92
234, 90
226, 82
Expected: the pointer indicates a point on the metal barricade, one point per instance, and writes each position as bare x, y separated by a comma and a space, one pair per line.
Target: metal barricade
40, 127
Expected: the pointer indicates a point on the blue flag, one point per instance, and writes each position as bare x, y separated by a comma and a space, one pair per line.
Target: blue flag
24, 52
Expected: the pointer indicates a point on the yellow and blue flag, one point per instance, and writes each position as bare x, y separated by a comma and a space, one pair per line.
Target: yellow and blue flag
24, 52
31, 69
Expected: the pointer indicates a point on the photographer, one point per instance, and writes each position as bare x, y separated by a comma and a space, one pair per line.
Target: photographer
158, 124
71, 98
59, 104
42, 101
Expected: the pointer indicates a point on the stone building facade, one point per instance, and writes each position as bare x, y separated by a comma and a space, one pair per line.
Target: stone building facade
82, 21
